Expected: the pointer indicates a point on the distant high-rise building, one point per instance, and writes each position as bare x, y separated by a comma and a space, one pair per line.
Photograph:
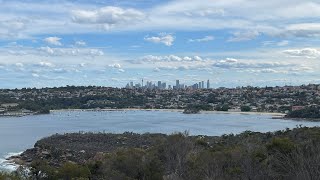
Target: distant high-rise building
196, 86
199, 86
164, 85
208, 84
131, 84
202, 84
177, 84
137, 85
159, 85
149, 85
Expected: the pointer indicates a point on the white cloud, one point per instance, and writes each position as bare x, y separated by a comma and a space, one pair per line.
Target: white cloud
84, 17
243, 36
121, 70
107, 16
187, 58
35, 75
283, 43
197, 58
164, 38
263, 71
305, 30
14, 24
269, 71
274, 43
231, 63
82, 64
156, 69
20, 65
231, 60
293, 70
184, 67
70, 51
267, 43
59, 70
45, 64
170, 58
53, 41
11, 28
174, 62
206, 13
116, 66
306, 52
80, 43
302, 69
204, 39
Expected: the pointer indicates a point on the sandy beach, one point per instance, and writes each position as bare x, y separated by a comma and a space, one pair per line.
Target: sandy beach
176, 110
126, 109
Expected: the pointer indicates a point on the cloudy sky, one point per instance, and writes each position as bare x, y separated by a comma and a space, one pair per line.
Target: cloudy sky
111, 42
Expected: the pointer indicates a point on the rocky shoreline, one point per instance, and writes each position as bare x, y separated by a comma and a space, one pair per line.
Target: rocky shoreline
299, 119
82, 147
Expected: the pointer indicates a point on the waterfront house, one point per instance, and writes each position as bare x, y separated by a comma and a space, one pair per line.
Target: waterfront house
9, 105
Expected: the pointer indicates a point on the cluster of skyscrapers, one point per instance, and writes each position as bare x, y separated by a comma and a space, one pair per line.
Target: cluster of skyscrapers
162, 85
200, 85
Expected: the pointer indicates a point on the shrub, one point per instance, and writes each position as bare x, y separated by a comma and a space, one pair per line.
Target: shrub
73, 171
283, 145
245, 108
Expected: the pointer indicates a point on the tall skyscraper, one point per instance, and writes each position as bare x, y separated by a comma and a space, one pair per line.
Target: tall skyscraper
199, 85
208, 84
177, 84
164, 85
159, 85
202, 84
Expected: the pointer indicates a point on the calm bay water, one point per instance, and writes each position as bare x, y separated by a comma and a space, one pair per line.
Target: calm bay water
20, 133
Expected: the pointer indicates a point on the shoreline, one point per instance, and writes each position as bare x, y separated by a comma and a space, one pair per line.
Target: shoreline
301, 119
126, 109
9, 162
174, 110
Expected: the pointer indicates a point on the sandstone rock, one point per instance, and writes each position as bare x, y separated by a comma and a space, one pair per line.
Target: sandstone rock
46, 153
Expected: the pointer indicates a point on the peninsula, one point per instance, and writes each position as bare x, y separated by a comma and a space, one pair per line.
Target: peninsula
291, 100
288, 154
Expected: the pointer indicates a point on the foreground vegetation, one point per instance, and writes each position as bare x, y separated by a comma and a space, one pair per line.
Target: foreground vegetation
289, 154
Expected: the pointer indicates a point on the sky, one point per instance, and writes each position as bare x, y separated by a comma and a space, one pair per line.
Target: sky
52, 43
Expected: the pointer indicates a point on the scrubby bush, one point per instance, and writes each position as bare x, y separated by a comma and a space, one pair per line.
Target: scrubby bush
245, 108
71, 171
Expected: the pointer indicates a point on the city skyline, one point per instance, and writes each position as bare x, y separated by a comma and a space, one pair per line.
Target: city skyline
163, 85
109, 43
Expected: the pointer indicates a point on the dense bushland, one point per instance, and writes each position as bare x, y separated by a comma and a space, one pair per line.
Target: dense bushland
311, 112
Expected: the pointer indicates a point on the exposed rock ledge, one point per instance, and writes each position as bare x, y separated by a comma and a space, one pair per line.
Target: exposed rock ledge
80, 147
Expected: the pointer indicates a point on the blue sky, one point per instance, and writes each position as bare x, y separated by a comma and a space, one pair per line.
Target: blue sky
109, 43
